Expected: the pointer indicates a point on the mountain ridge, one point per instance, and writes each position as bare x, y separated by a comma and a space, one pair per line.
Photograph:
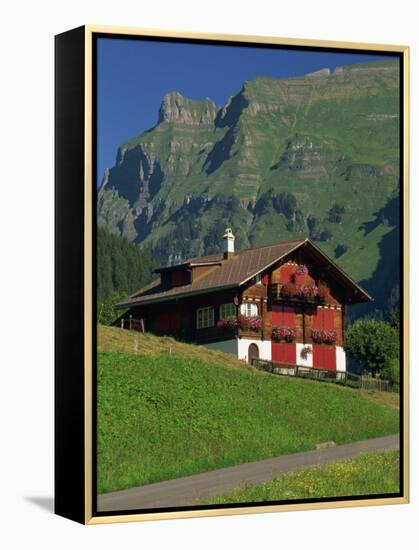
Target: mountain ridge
272, 162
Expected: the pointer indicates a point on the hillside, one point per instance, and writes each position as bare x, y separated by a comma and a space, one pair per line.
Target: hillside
122, 267
167, 409
312, 156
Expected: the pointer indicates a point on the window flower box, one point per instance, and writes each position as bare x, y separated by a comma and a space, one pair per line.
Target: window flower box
288, 334
309, 292
229, 323
250, 323
324, 336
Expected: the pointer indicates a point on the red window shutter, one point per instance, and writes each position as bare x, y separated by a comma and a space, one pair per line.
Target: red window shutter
288, 316
289, 353
318, 356
324, 357
276, 350
283, 353
328, 319
283, 316
318, 318
286, 273
277, 316
329, 357
324, 318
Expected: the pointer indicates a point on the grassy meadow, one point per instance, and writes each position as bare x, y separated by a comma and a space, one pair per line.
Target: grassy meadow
167, 409
369, 474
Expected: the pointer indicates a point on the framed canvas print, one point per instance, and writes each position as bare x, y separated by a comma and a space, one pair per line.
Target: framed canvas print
231, 274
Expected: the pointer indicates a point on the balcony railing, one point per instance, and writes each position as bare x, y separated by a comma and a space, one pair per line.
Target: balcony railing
299, 293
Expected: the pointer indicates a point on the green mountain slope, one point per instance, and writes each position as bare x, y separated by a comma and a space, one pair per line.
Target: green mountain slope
312, 156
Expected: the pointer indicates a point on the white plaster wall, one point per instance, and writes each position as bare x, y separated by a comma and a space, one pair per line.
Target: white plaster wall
340, 359
308, 362
227, 346
265, 348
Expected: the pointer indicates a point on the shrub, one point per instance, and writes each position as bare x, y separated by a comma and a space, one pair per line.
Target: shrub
391, 370
325, 235
373, 343
107, 311
335, 213
340, 250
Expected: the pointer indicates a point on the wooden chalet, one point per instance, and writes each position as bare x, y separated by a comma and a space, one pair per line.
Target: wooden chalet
283, 302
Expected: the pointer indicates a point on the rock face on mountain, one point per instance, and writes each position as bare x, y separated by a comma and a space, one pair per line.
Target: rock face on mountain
176, 108
325, 141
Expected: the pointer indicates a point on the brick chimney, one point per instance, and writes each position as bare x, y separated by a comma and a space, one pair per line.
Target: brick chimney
228, 243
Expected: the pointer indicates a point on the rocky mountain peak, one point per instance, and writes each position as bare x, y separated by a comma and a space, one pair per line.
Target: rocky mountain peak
179, 109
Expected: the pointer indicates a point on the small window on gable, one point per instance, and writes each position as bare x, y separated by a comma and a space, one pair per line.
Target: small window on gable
249, 310
205, 317
227, 310
176, 278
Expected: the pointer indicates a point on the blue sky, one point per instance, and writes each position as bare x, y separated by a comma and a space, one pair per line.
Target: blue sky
134, 75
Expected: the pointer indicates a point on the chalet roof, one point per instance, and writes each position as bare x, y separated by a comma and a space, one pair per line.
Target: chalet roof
231, 273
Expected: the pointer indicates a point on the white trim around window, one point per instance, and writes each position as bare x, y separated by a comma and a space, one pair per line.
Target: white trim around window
227, 310
249, 310
205, 317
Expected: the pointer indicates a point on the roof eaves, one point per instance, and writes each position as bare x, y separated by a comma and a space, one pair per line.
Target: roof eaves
122, 305
267, 266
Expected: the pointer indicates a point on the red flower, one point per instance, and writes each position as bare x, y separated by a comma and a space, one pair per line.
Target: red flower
324, 336
284, 333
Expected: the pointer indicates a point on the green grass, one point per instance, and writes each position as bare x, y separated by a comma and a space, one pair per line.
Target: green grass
369, 474
176, 410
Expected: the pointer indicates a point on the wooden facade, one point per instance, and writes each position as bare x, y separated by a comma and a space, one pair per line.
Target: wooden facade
291, 312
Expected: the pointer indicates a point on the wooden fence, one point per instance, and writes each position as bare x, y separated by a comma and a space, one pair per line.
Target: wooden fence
345, 378
133, 324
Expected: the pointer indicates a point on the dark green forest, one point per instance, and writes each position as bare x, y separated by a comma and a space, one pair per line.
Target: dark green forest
122, 267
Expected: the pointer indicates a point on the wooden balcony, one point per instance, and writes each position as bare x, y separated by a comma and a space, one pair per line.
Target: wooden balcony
276, 296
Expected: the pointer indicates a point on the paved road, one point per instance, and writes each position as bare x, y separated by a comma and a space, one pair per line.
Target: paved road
201, 487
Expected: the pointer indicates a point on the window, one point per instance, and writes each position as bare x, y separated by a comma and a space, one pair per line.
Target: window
249, 310
177, 278
205, 317
227, 310
258, 279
